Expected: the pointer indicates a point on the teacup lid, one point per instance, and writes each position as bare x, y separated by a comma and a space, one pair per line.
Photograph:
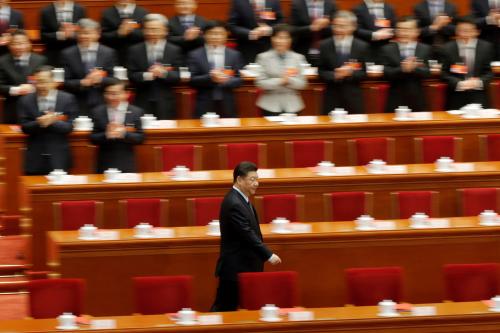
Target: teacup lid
488, 212
386, 302
213, 222
377, 161
326, 163
269, 306
365, 217
186, 310
445, 159
67, 315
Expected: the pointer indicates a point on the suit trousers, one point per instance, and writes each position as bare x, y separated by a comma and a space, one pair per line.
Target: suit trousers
227, 298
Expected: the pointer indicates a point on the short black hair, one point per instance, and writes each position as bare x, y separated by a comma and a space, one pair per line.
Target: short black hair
44, 68
215, 24
468, 19
113, 81
407, 18
19, 32
282, 27
242, 169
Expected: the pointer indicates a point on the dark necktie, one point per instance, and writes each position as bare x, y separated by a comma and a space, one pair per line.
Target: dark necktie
89, 60
19, 66
186, 22
342, 53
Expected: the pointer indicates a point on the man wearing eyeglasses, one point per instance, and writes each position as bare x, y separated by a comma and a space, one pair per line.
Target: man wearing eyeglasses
242, 248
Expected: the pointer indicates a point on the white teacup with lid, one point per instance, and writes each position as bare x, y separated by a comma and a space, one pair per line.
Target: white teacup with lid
403, 112
58, 75
57, 175
289, 117
210, 119
180, 172
279, 224
66, 321
338, 114
87, 231
213, 228
495, 304
364, 222
444, 164
143, 230
120, 73
186, 316
419, 220
111, 174
325, 168
488, 218
269, 312
82, 123
376, 166
148, 121
387, 308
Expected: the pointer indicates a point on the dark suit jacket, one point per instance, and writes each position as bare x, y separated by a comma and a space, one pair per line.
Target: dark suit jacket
158, 91
301, 22
110, 22
116, 153
482, 70
241, 247
428, 36
10, 77
47, 148
366, 26
242, 20
176, 34
346, 93
74, 71
491, 33
48, 31
15, 21
406, 88
200, 79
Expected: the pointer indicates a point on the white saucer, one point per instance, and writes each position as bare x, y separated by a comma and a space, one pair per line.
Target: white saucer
472, 117
286, 231
392, 314
402, 118
419, 227
494, 309
192, 322
67, 327
271, 320
88, 238
365, 228
444, 170
182, 178
326, 173
83, 129
289, 123
494, 224
213, 233
144, 236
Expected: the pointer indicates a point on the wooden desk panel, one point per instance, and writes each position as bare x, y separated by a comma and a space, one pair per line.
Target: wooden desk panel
319, 257
38, 196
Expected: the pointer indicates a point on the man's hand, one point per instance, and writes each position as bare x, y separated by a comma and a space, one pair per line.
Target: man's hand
25, 89
192, 33
319, 24
218, 76
157, 70
115, 131
126, 27
409, 64
274, 260
68, 29
440, 21
342, 72
47, 119
384, 33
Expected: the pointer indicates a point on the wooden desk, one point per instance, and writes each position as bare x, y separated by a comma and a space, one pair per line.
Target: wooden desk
472, 317
258, 130
319, 257
38, 195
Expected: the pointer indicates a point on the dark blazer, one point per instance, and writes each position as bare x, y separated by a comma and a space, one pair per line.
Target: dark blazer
110, 22
242, 20
406, 88
428, 36
491, 33
155, 96
116, 153
16, 21
346, 93
482, 70
74, 71
241, 247
200, 79
10, 77
366, 26
176, 33
300, 21
47, 148
48, 31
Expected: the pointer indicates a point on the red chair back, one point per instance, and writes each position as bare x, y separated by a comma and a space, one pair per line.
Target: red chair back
260, 288
203, 210
162, 294
174, 155
368, 286
367, 149
279, 205
493, 147
347, 206
49, 298
144, 210
434, 147
411, 202
74, 214
239, 152
302, 154
476, 200
471, 282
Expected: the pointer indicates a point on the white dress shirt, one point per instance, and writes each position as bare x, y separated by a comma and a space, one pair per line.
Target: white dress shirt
5, 13
155, 51
315, 8
89, 54
64, 11
375, 8
117, 115
407, 50
126, 11
46, 103
244, 196
343, 45
216, 56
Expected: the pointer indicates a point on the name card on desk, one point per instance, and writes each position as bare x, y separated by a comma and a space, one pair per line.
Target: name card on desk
344, 171
69, 180
125, 178
353, 118
102, 324
463, 167
396, 169
229, 122
161, 124
107, 235
299, 227
384, 225
214, 319
300, 315
439, 223
163, 233
200, 175
423, 311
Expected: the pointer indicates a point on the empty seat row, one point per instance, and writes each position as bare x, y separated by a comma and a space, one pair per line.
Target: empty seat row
166, 294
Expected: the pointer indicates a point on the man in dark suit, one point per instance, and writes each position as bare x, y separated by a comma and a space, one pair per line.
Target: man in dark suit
186, 28
121, 27
215, 73
10, 20
341, 65
436, 21
251, 22
117, 129
466, 67
153, 68
487, 15
376, 22
241, 246
15, 68
406, 64
87, 66
58, 27
310, 20
46, 116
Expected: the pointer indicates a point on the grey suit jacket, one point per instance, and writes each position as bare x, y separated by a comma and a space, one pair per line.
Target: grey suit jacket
277, 97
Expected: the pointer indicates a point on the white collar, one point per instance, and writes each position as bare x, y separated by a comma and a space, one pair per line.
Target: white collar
67, 6
217, 49
244, 196
472, 43
159, 44
347, 40
127, 9
92, 48
122, 107
51, 96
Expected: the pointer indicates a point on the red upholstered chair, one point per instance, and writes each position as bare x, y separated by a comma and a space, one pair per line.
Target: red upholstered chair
471, 282
302, 154
49, 298
290, 206
260, 288
203, 210
71, 215
162, 294
233, 153
472, 201
370, 285
429, 148
489, 147
347, 206
169, 156
134, 211
363, 150
436, 95
407, 203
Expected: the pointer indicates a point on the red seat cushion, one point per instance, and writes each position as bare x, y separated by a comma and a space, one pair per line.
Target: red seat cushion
206, 210
239, 152
279, 205
411, 202
476, 200
434, 147
174, 155
347, 206
471, 282
368, 286
368, 149
143, 210
307, 153
75, 214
